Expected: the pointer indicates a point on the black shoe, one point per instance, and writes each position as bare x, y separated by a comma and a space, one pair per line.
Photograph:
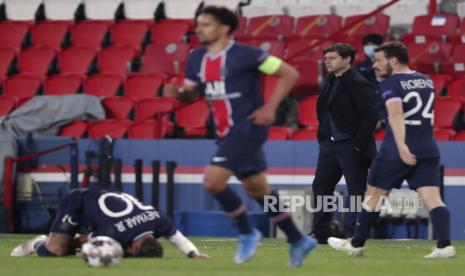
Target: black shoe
333, 229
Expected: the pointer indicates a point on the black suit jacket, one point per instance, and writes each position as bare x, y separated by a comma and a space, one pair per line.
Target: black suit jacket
353, 109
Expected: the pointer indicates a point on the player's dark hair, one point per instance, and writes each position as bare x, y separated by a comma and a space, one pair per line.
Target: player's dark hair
343, 49
150, 248
394, 49
223, 15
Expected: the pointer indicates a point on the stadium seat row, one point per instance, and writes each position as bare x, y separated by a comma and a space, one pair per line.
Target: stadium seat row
28, 10
186, 9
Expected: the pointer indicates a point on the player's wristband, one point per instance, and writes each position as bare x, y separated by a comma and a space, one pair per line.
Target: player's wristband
183, 244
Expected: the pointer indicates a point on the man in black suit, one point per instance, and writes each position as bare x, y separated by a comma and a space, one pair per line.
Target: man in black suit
347, 115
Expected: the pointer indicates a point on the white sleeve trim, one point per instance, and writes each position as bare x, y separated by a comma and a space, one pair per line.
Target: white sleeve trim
393, 100
182, 243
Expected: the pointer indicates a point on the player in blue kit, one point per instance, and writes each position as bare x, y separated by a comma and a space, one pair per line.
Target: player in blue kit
118, 215
408, 151
228, 74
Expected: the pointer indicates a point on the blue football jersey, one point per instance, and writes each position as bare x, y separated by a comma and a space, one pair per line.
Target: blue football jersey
416, 92
230, 81
110, 213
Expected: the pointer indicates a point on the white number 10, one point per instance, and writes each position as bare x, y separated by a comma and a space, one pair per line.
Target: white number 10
129, 200
426, 113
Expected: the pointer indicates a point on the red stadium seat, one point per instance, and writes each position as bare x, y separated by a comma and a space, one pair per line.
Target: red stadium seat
142, 86
301, 49
113, 128
242, 28
50, 34
62, 85
7, 104
165, 58
309, 84
279, 133
440, 83
130, 33
150, 108
36, 61
420, 39
193, 118
117, 107
456, 88
445, 111
439, 25
22, 101
12, 34
268, 87
102, 85
305, 135
460, 37
89, 33
76, 60
456, 67
460, 136
169, 31
271, 26
7, 55
76, 129
307, 112
426, 57
272, 46
443, 134
150, 129
116, 60
378, 24
317, 25
22, 86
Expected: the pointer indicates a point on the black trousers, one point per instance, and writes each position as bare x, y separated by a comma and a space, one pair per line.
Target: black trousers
335, 159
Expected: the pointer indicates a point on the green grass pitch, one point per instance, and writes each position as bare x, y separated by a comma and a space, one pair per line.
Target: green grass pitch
381, 258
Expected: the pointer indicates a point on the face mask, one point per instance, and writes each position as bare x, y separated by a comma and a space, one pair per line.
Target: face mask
369, 50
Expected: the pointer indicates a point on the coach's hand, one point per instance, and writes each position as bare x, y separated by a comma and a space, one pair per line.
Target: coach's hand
406, 156
264, 116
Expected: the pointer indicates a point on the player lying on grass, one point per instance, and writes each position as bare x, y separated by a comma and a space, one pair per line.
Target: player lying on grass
408, 152
100, 212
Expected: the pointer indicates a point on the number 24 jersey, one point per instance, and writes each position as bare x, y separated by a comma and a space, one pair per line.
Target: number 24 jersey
416, 92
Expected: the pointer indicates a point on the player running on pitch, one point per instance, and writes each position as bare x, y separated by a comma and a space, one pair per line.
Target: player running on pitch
408, 151
228, 74
107, 213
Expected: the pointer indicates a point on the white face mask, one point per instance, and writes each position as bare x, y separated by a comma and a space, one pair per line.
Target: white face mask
369, 50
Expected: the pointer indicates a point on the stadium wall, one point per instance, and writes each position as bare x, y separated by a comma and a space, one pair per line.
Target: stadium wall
291, 165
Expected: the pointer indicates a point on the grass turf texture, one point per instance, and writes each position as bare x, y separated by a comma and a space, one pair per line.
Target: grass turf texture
381, 258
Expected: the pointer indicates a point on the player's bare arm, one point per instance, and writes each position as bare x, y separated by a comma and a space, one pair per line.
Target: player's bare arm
186, 247
60, 244
287, 78
396, 121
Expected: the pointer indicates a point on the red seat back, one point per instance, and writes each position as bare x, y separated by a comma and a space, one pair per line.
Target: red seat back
62, 84
113, 128
117, 107
307, 112
165, 58
142, 86
102, 85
